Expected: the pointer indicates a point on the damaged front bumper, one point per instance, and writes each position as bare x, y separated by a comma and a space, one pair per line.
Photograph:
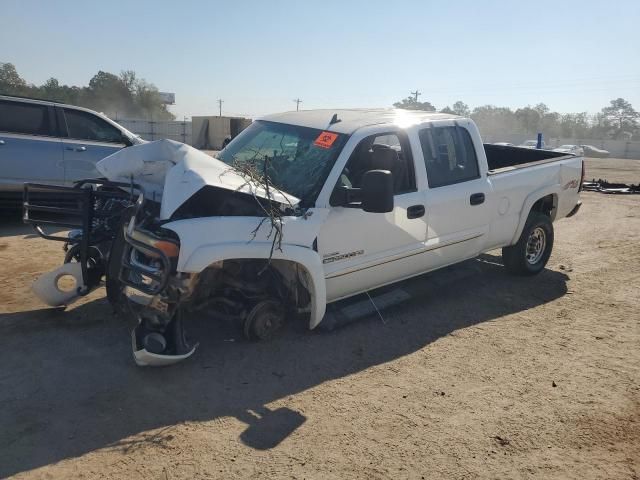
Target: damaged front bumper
154, 292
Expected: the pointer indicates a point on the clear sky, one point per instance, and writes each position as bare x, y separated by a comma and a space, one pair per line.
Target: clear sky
260, 55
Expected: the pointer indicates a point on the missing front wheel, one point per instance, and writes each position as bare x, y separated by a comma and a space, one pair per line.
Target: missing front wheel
264, 320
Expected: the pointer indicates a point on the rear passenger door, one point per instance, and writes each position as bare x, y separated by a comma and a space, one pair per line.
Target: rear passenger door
29, 150
459, 194
89, 139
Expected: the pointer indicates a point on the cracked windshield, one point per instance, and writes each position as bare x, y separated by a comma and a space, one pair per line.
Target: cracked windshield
297, 159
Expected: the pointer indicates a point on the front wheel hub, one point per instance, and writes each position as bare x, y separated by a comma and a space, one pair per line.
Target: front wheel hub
264, 320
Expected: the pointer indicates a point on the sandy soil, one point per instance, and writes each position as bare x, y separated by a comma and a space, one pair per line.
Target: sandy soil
483, 376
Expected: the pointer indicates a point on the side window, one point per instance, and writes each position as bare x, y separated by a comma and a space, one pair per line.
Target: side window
449, 155
386, 151
86, 126
25, 118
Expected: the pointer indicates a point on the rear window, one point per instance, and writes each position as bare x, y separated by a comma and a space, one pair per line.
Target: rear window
449, 156
25, 118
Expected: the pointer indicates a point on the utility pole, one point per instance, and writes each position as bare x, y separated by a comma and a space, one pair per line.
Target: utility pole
220, 102
415, 94
298, 102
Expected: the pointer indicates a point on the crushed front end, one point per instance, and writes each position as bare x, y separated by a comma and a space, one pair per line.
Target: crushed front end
154, 290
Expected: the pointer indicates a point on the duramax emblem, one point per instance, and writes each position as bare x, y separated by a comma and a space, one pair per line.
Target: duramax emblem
334, 257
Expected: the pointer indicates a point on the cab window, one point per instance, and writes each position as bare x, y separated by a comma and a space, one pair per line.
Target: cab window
86, 126
449, 155
386, 151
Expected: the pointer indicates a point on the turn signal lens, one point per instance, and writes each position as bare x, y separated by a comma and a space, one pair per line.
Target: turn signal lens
170, 249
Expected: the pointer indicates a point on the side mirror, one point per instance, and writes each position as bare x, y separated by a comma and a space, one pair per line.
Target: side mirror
377, 191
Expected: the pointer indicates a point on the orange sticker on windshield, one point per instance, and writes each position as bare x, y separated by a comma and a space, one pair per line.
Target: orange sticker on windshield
325, 139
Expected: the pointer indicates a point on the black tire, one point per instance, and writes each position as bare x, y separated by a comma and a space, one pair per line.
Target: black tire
530, 255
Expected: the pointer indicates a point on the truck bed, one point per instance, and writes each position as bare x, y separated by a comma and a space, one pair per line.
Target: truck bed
503, 156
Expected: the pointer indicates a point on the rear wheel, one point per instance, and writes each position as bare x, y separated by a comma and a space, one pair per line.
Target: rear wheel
530, 255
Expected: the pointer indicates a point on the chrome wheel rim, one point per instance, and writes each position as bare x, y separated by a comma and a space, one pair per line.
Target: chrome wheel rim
535, 245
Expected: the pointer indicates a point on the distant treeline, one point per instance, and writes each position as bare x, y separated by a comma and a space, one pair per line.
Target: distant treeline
123, 95
618, 120
126, 95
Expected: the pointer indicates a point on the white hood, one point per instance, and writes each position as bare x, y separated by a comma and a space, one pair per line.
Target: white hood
174, 172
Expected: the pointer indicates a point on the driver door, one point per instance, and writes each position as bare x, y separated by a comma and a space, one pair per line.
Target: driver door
362, 250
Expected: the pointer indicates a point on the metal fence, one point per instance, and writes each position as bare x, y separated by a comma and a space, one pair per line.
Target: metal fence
158, 129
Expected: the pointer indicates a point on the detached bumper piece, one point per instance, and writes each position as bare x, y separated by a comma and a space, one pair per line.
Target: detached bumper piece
152, 348
47, 289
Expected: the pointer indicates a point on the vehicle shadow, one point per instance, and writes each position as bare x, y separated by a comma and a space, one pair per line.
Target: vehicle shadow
68, 384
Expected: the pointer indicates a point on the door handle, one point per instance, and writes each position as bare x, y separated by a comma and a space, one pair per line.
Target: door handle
476, 198
77, 149
415, 211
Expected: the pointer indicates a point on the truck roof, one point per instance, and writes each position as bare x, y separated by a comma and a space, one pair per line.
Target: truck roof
353, 119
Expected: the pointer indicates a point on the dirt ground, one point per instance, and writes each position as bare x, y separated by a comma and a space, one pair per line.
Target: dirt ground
483, 376
613, 169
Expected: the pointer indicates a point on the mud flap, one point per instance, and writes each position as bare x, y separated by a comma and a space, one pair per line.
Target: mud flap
46, 287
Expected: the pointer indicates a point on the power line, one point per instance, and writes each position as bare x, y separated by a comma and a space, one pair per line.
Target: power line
220, 102
415, 94
298, 102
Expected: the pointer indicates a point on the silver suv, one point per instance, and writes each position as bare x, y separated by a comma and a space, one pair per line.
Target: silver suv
52, 143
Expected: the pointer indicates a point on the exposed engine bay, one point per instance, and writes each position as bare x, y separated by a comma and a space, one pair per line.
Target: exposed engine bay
258, 295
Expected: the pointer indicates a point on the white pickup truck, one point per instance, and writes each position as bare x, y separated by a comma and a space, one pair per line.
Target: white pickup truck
307, 208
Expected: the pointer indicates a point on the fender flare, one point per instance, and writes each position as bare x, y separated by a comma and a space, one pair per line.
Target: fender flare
531, 199
307, 258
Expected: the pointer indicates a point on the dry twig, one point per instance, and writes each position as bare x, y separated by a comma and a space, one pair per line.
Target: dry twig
260, 179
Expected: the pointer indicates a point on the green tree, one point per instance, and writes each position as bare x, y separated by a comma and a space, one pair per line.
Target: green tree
461, 108
130, 80
149, 102
121, 96
550, 124
108, 93
410, 103
542, 109
529, 118
10, 81
492, 120
622, 114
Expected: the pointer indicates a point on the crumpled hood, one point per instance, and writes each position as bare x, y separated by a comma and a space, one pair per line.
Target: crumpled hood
175, 171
